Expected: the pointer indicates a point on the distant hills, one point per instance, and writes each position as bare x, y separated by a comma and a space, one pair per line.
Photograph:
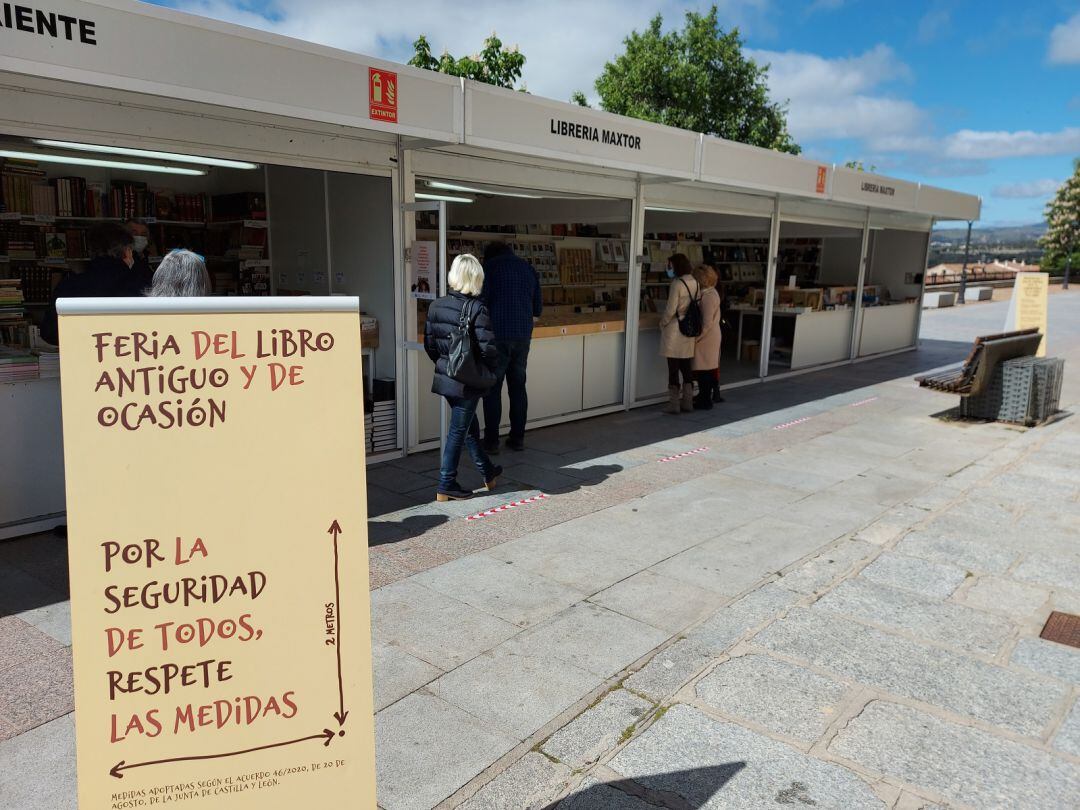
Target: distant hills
1013, 235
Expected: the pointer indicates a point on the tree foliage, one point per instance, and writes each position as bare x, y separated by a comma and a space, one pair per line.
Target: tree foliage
858, 166
495, 64
1063, 224
696, 79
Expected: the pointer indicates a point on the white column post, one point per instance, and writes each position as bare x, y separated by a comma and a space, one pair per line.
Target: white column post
770, 291
633, 296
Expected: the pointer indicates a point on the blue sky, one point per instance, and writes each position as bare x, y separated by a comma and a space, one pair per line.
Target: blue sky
982, 97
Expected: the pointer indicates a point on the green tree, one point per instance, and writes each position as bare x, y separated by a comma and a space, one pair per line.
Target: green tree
697, 79
495, 64
858, 166
1062, 235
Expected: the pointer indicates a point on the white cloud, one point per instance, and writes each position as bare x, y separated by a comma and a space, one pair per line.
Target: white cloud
1065, 42
565, 42
1028, 190
932, 25
969, 144
836, 98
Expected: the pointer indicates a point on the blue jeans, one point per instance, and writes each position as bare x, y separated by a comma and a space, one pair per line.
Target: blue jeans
464, 430
513, 358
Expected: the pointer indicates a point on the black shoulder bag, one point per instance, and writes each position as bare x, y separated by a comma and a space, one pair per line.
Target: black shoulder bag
691, 323
464, 363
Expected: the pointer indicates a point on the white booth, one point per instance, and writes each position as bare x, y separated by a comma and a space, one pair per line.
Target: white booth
347, 163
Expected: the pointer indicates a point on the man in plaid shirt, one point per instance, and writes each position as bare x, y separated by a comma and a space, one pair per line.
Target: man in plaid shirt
512, 294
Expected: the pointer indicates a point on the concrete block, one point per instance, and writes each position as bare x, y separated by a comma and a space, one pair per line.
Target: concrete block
709, 763
967, 765
978, 294
938, 300
784, 698
595, 732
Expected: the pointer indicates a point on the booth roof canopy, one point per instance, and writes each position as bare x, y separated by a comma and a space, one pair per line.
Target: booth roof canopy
137, 47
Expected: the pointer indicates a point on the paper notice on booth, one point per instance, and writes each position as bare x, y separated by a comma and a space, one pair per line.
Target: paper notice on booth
425, 264
218, 553
1028, 308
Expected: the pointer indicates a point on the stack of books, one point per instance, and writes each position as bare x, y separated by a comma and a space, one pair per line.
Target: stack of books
48, 363
384, 416
17, 366
11, 300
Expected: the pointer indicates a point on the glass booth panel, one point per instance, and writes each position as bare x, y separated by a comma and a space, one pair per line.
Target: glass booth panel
817, 278
736, 247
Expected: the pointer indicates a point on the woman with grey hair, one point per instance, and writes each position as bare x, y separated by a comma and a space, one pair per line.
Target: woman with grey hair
180, 274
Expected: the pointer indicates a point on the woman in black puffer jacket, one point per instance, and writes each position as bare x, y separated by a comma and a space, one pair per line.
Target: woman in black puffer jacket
465, 279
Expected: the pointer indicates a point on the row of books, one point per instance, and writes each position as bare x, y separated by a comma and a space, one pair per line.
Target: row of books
11, 301
23, 365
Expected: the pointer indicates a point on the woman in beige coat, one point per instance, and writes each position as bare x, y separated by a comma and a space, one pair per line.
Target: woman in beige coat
707, 347
674, 345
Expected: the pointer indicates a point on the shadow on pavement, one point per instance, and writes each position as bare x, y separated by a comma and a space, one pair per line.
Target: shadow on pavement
679, 790
381, 532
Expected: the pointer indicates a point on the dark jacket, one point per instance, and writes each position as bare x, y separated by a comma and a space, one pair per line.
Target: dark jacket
104, 277
512, 293
442, 317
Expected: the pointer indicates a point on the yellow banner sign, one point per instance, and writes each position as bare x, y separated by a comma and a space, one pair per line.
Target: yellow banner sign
1028, 308
218, 549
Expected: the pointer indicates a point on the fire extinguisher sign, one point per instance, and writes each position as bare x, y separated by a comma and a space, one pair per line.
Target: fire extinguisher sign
382, 95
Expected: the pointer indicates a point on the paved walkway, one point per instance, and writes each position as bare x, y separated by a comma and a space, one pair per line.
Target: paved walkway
836, 604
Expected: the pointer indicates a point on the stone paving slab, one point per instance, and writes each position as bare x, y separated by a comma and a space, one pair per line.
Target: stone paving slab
666, 603
506, 591
528, 784
433, 627
974, 556
586, 738
949, 624
934, 580
512, 691
1048, 658
595, 795
37, 769
720, 631
36, 690
425, 749
1016, 599
590, 637
713, 765
1067, 738
813, 576
1055, 570
966, 765
997, 696
396, 673
669, 669
782, 697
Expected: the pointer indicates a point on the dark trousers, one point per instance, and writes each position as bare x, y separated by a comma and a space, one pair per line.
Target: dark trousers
680, 365
708, 387
463, 431
513, 358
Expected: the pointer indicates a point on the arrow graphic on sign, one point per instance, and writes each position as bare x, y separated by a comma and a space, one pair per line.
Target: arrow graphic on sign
340, 714
326, 735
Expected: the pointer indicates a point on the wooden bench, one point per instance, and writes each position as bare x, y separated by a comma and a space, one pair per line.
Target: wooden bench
987, 353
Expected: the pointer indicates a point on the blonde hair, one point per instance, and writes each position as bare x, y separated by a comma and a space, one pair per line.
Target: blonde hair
705, 276
466, 275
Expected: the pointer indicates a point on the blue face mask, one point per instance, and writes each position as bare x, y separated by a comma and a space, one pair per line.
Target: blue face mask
670, 273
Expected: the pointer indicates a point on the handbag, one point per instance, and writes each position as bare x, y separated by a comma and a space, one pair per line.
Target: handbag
692, 322
464, 363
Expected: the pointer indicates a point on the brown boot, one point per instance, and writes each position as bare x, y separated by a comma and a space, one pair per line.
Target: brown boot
673, 400
688, 397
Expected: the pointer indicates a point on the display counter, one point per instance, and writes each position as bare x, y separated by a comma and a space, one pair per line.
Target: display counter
31, 446
817, 336
576, 364
888, 328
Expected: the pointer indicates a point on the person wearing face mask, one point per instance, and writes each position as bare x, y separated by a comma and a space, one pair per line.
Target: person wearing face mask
109, 274
674, 345
140, 236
